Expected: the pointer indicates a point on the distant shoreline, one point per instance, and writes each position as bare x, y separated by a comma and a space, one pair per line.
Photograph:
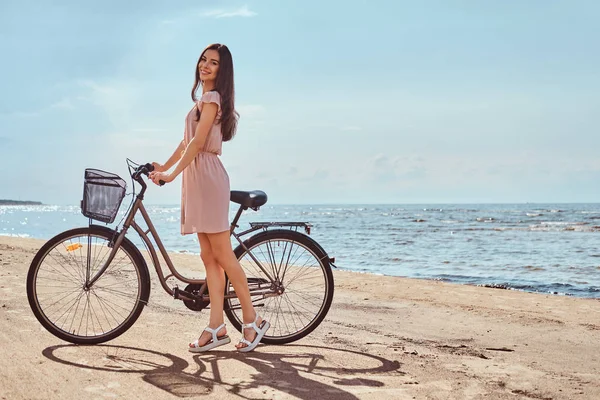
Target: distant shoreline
19, 203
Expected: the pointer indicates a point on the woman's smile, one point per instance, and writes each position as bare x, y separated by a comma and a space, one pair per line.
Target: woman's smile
208, 65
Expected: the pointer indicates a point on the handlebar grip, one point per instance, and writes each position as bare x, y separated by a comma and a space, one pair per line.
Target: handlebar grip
146, 169
150, 168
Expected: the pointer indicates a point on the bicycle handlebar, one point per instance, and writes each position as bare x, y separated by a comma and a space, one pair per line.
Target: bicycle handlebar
145, 169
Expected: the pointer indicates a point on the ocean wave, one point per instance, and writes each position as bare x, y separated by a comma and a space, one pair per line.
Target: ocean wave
40, 209
493, 243
557, 223
533, 268
18, 235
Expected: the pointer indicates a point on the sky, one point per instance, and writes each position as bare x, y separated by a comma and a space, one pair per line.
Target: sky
340, 101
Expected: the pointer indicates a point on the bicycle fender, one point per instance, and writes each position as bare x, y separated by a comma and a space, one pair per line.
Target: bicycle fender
239, 249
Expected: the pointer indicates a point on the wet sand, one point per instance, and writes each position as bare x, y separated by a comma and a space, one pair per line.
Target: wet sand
384, 338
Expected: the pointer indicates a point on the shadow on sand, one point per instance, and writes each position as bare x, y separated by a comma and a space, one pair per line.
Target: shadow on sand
301, 371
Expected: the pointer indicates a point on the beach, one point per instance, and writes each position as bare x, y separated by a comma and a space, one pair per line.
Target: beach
384, 338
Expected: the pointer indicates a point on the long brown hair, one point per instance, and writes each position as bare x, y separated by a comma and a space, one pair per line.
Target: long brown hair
225, 87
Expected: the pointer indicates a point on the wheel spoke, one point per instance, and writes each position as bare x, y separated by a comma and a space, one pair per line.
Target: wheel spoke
305, 280
75, 312
287, 265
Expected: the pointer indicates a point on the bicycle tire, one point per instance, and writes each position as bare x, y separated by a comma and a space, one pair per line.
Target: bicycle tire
277, 334
62, 275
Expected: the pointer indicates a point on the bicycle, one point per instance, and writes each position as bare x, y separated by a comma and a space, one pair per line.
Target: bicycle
89, 285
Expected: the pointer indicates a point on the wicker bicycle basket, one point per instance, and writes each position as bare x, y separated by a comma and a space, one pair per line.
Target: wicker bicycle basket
103, 193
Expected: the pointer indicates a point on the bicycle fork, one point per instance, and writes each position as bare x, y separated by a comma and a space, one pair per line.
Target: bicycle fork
114, 245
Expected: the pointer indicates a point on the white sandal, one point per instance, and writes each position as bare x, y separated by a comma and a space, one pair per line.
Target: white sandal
260, 332
214, 342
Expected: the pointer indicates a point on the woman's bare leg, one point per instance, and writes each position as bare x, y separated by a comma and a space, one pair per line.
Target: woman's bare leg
223, 253
215, 277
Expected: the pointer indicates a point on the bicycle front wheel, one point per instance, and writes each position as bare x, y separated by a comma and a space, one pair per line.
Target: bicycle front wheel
296, 272
60, 300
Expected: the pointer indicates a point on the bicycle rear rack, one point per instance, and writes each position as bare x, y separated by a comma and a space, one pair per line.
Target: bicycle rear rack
265, 225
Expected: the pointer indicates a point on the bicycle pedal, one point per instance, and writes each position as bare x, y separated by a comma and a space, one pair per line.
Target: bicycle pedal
180, 294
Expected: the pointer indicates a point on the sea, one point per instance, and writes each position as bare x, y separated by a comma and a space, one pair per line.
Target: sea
544, 248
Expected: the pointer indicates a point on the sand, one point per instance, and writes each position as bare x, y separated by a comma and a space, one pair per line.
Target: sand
384, 338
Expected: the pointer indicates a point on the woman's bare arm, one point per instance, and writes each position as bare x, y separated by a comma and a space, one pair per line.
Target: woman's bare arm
176, 156
207, 118
172, 160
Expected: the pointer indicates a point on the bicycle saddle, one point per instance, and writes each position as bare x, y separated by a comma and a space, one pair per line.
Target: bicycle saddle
255, 198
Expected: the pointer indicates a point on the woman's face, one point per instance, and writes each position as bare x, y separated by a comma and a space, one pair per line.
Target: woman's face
208, 67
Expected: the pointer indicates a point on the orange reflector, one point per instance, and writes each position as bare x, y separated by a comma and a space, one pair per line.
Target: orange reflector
74, 246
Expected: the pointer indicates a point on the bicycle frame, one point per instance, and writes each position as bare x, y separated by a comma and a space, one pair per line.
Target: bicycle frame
177, 293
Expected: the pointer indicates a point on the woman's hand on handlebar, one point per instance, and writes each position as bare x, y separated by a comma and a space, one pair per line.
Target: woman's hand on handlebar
158, 167
156, 177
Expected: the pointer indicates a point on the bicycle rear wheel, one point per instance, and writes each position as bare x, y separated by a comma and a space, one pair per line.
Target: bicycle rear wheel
70, 311
298, 266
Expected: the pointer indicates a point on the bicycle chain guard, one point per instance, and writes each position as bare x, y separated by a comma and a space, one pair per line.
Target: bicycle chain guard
195, 305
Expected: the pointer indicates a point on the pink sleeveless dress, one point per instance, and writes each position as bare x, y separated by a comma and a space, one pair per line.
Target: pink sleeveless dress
205, 188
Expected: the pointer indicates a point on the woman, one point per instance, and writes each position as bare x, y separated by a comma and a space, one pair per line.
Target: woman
205, 195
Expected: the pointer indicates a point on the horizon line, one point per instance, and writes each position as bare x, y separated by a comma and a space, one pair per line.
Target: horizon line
38, 203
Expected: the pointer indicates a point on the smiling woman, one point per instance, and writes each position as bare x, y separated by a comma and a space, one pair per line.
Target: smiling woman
216, 64
206, 194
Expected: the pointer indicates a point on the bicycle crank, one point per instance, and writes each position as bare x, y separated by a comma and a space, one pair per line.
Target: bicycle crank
191, 297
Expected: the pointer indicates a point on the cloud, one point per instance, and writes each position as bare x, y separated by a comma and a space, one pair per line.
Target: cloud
264, 175
22, 114
321, 174
351, 128
250, 110
95, 86
252, 117
243, 11
383, 168
64, 104
132, 142
118, 99
292, 171
148, 130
